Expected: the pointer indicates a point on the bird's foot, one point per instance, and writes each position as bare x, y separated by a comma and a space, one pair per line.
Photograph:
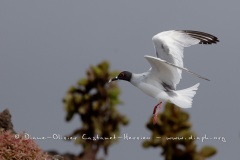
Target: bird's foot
155, 112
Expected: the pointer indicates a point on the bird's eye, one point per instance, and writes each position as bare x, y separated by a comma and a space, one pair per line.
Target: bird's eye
121, 75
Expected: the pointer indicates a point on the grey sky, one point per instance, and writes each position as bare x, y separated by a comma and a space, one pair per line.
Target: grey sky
46, 46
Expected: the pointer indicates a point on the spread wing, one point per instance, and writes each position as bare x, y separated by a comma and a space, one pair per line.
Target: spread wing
169, 45
165, 72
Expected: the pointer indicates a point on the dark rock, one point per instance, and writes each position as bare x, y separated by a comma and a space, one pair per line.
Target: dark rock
5, 120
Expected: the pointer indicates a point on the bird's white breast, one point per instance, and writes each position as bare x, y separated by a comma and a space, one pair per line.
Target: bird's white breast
150, 87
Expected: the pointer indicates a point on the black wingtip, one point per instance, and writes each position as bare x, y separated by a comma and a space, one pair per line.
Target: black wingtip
205, 38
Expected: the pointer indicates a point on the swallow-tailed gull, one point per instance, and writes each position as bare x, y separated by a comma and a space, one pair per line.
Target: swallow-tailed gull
161, 79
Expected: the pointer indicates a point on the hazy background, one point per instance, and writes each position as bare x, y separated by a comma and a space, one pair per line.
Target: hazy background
46, 46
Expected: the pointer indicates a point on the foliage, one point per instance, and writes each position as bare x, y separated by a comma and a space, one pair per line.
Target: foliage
172, 133
94, 101
16, 146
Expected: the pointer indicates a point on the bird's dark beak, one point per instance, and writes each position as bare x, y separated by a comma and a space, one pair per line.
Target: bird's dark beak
113, 79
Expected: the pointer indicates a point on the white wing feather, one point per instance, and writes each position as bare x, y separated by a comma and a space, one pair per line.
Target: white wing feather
166, 72
169, 47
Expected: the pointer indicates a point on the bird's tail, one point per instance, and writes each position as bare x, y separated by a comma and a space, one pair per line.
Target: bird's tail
183, 98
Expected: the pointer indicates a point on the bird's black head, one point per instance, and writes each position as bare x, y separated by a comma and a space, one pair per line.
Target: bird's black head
125, 75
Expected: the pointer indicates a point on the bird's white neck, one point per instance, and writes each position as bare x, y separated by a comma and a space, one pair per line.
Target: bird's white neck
137, 78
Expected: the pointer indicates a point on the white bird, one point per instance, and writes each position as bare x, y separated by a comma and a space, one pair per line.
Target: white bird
161, 79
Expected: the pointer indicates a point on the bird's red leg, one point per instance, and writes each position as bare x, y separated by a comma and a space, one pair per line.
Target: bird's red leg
155, 112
